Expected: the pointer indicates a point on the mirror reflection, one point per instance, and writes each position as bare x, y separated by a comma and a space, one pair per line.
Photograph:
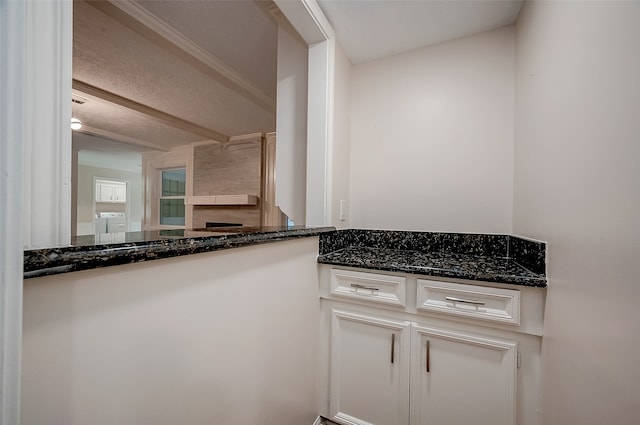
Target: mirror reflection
177, 102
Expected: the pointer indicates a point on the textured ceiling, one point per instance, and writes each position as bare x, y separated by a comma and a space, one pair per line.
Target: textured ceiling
115, 53
116, 57
97, 114
371, 29
105, 153
241, 34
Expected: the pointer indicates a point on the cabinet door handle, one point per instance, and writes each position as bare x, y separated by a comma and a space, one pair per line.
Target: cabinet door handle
428, 359
393, 346
462, 300
369, 288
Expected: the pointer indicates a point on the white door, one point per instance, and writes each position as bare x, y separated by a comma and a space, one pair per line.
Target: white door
369, 370
459, 378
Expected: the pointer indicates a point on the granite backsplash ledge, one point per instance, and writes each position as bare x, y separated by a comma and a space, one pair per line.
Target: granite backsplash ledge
528, 253
498, 258
457, 243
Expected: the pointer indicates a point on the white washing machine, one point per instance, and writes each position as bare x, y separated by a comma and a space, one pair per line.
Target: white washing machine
116, 221
100, 225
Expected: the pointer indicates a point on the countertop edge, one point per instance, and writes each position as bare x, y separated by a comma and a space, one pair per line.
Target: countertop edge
52, 261
529, 281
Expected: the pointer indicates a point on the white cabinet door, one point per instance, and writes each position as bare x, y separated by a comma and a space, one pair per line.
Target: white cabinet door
104, 192
120, 193
369, 370
459, 378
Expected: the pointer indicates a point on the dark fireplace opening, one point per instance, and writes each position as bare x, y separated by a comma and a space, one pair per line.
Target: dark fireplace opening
219, 224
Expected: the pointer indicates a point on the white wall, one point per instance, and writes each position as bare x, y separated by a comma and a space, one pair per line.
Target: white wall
291, 124
201, 339
341, 137
577, 186
432, 137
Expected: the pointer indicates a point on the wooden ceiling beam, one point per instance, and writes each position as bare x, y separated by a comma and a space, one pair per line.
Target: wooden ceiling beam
151, 113
120, 138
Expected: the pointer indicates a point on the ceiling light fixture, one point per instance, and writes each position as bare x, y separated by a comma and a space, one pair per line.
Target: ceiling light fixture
76, 124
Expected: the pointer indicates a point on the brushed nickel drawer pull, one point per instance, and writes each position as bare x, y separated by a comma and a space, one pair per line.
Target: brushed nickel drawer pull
428, 359
393, 346
369, 288
462, 300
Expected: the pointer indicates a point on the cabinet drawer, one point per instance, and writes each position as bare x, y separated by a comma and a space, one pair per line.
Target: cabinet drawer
371, 287
480, 302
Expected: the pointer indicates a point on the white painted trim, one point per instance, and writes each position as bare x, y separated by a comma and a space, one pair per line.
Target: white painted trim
152, 168
13, 42
321, 21
307, 18
74, 191
328, 149
161, 28
47, 138
317, 135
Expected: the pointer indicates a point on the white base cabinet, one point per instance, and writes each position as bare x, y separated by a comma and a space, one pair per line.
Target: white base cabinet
369, 369
387, 372
459, 378
410, 363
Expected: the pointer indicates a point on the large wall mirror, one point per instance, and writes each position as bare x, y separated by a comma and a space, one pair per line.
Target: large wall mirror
187, 92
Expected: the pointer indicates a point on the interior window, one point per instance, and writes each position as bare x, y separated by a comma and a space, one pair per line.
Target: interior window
172, 197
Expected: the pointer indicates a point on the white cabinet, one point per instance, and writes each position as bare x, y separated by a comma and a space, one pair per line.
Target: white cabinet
459, 378
110, 191
445, 377
369, 370
456, 350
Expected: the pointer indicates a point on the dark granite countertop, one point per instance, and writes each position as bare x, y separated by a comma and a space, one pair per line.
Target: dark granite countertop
459, 266
110, 249
489, 258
